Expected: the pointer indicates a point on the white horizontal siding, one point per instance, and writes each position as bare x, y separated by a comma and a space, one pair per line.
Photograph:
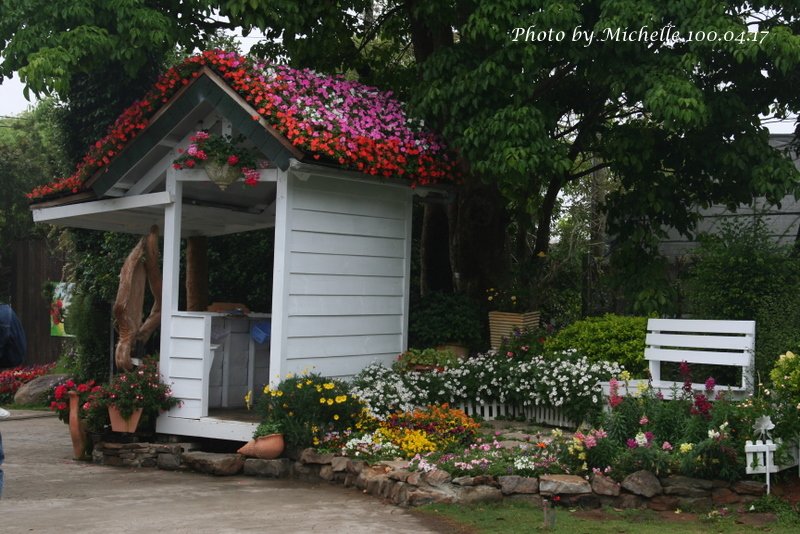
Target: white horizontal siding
345, 325
346, 245
342, 367
333, 305
316, 263
346, 284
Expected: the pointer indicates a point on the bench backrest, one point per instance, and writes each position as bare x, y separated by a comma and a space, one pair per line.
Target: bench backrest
727, 343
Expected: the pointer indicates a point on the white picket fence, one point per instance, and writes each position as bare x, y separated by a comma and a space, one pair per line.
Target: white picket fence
535, 414
760, 458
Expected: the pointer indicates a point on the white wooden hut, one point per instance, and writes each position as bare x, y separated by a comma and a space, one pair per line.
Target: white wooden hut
340, 268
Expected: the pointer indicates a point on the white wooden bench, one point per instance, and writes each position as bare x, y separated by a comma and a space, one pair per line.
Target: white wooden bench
697, 341
723, 343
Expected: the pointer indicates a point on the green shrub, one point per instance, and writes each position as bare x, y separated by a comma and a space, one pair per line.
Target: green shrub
425, 357
741, 273
442, 318
614, 338
736, 269
90, 325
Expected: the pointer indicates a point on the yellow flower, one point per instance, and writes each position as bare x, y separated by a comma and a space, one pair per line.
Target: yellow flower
291, 414
625, 375
248, 400
309, 382
315, 441
641, 387
299, 385
335, 417
329, 402
328, 385
266, 388
582, 456
280, 393
289, 375
341, 398
686, 448
319, 389
322, 400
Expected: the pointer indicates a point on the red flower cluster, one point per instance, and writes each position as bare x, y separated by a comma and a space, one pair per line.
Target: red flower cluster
380, 157
59, 399
13, 379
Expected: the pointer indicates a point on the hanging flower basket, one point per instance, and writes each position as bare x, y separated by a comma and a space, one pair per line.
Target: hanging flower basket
120, 424
503, 324
221, 174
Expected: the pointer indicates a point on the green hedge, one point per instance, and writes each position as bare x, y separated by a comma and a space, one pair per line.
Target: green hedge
614, 338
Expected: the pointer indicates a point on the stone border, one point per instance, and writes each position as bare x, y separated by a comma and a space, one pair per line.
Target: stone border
394, 482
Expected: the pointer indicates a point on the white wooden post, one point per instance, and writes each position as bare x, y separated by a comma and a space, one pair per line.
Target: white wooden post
279, 273
171, 265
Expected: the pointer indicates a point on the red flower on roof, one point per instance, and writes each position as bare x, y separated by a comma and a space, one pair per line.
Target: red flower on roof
328, 117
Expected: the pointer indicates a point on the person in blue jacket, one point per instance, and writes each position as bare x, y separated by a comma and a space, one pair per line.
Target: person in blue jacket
13, 346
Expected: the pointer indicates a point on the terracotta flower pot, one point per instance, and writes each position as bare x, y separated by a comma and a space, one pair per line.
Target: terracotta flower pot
77, 428
120, 424
264, 447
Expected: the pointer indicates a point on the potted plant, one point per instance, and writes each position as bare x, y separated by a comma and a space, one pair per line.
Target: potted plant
222, 157
447, 321
425, 360
508, 311
267, 442
132, 395
70, 401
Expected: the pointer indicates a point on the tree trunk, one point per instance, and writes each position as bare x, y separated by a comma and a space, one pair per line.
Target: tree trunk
197, 273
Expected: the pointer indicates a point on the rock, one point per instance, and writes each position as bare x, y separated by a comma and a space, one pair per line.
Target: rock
531, 500
695, 504
686, 482
437, 477
585, 500
686, 491
326, 472
214, 463
475, 481
374, 485
749, 487
642, 483
339, 464
603, 485
518, 436
722, 496
168, 461
395, 465
356, 466
399, 493
563, 485
513, 484
414, 478
663, 503
479, 494
419, 497
36, 391
278, 468
400, 475
311, 456
627, 501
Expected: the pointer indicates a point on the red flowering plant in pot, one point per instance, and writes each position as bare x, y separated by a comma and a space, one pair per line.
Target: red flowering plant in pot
223, 157
134, 395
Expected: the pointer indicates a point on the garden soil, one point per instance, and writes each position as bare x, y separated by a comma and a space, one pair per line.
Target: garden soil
46, 491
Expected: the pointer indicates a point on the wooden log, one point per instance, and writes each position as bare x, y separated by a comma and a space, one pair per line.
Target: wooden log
153, 269
129, 303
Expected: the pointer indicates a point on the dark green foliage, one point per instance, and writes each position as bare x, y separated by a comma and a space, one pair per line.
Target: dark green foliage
90, 321
741, 273
614, 338
441, 318
240, 269
736, 268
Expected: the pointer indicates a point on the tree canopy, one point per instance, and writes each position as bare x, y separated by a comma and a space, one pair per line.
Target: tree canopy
535, 94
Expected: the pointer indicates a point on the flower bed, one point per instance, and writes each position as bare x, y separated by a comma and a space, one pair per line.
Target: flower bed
13, 379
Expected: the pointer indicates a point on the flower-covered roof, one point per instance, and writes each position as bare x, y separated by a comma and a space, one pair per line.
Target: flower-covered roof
328, 118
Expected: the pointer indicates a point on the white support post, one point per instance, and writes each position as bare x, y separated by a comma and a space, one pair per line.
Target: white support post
171, 265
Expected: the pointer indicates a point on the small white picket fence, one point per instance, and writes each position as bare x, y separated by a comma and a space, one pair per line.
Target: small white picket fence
760, 456
535, 414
